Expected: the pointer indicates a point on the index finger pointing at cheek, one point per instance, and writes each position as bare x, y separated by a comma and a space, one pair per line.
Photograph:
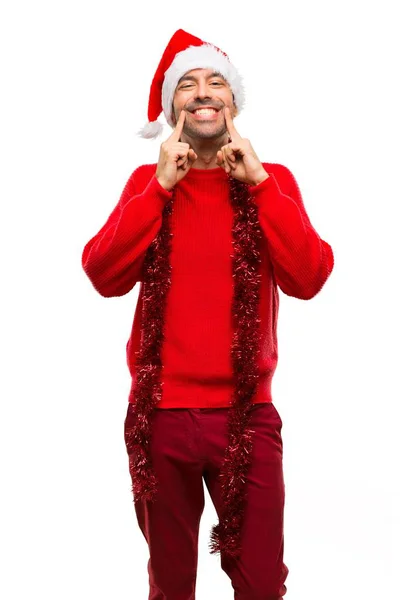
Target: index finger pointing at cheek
230, 125
175, 136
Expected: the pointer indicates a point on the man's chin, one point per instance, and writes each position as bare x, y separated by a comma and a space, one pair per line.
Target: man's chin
204, 132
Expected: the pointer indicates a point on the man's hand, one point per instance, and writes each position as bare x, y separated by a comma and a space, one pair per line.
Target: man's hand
176, 158
238, 157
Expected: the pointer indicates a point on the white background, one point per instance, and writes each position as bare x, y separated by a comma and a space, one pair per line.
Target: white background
328, 95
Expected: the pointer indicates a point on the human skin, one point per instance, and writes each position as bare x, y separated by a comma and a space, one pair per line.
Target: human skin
206, 141
198, 88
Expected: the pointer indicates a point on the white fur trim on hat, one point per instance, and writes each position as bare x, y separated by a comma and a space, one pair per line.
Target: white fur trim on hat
205, 56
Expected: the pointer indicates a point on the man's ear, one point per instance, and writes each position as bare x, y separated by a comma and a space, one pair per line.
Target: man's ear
235, 111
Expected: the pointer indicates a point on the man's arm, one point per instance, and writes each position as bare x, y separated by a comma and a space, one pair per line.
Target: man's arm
301, 260
113, 258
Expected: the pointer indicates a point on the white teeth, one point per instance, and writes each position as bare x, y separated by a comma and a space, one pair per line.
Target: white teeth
204, 111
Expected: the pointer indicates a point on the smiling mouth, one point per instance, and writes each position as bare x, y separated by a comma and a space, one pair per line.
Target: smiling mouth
205, 113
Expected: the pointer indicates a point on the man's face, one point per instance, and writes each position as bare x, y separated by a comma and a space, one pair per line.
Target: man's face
201, 88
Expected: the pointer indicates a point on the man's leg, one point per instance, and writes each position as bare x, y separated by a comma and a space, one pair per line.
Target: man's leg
260, 573
170, 524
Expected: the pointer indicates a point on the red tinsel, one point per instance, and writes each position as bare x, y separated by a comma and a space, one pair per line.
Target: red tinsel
246, 232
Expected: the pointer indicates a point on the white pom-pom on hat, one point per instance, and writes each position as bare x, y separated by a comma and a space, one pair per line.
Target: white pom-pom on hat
151, 130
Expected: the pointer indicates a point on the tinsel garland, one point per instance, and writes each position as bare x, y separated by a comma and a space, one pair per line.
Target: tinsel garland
246, 232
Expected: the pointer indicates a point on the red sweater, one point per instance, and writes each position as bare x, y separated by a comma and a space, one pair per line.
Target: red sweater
196, 361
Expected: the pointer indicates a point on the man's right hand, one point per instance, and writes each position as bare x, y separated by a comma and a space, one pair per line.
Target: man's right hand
176, 158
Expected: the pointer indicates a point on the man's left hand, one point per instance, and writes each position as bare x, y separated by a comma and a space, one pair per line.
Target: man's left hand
238, 157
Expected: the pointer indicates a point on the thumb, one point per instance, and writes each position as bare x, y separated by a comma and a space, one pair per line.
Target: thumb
192, 156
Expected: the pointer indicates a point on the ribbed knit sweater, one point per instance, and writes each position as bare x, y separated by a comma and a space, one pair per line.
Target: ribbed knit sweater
197, 371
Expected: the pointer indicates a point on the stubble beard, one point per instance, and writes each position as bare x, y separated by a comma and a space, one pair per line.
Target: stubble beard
204, 132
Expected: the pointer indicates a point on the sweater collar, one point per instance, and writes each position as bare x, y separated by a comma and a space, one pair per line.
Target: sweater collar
212, 174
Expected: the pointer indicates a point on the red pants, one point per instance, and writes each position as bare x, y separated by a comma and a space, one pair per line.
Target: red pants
188, 447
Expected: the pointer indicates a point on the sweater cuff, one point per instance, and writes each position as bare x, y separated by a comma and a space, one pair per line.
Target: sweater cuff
158, 192
262, 190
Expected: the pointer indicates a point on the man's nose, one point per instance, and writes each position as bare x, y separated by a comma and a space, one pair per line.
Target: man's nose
202, 90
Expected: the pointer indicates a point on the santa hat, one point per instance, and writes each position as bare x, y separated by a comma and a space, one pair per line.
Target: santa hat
183, 53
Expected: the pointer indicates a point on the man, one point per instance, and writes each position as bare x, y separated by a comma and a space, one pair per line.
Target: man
211, 233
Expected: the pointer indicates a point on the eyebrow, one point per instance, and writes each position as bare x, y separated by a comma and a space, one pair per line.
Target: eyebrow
192, 78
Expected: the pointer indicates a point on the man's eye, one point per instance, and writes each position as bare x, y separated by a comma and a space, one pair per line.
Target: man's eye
183, 87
